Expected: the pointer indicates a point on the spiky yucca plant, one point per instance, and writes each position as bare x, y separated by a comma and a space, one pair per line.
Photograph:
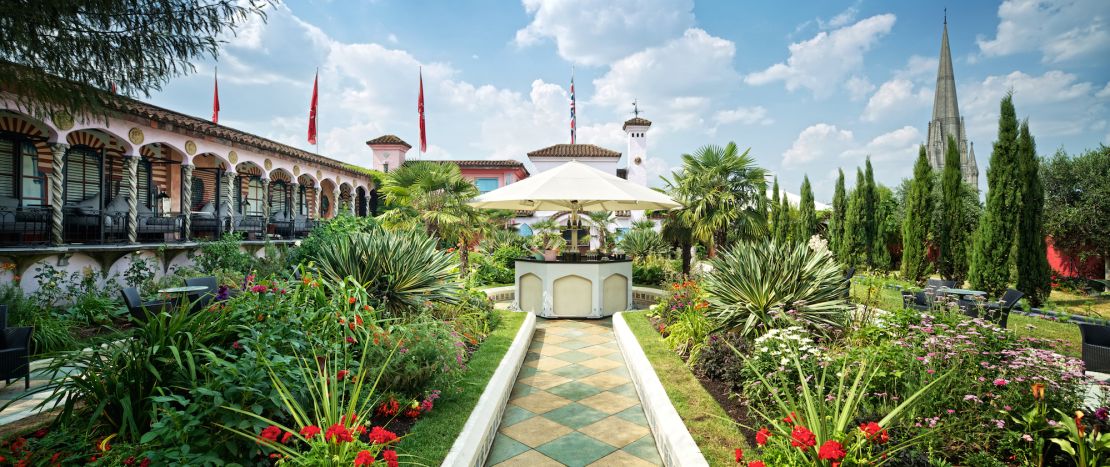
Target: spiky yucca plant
761, 285
641, 243
403, 270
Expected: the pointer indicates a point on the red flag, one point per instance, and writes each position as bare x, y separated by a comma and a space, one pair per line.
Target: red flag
216, 100
312, 112
420, 110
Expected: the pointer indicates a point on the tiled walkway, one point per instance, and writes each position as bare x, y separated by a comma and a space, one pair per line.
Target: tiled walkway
574, 403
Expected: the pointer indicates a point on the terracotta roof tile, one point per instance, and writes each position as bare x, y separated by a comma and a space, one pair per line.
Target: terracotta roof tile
389, 139
581, 151
636, 121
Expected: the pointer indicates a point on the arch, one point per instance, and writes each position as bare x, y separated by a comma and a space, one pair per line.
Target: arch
15, 122
162, 164
360, 202
100, 139
327, 201
572, 296
305, 197
530, 297
26, 164
614, 293
279, 173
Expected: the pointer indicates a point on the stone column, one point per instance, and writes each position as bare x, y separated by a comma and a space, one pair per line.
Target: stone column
187, 199
334, 202
292, 200
230, 185
57, 191
265, 205
315, 214
130, 193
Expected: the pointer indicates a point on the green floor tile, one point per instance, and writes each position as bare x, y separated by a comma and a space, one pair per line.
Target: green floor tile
574, 371
574, 356
576, 450
573, 345
526, 371
621, 372
504, 448
627, 390
574, 390
634, 414
521, 389
514, 415
644, 448
575, 415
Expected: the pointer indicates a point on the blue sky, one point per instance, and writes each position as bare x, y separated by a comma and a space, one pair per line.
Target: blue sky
809, 88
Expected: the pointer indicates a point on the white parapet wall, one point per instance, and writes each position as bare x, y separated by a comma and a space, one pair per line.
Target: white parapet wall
472, 446
676, 446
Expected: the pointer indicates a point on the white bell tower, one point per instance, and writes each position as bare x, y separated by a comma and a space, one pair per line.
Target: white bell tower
636, 128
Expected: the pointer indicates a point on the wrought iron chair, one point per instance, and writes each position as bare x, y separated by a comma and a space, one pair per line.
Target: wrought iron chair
201, 300
15, 351
1096, 347
138, 308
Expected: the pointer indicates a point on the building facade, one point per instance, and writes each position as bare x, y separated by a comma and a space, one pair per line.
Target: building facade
947, 122
89, 191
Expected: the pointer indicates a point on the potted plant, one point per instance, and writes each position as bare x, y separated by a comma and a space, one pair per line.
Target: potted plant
548, 239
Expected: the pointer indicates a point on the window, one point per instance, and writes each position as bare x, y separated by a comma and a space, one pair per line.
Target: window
82, 174
252, 205
302, 200
278, 201
324, 205
385, 167
20, 174
198, 194
509, 179
486, 184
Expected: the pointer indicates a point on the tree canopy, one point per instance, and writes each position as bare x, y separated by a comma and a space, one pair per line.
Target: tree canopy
1077, 203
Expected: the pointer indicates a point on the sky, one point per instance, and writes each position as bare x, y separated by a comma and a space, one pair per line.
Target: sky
811, 88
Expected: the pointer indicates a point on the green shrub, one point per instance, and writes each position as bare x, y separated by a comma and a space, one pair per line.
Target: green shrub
763, 285
643, 243
650, 270
401, 270
223, 254
485, 270
427, 356
326, 232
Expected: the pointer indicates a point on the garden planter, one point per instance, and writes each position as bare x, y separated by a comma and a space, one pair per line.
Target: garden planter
550, 255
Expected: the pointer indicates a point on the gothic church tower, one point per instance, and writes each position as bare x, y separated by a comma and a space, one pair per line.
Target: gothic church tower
947, 121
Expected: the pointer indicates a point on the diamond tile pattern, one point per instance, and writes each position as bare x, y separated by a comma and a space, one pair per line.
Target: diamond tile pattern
574, 403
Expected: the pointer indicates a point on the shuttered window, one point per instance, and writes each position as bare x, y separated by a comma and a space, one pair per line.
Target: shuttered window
82, 174
253, 200
20, 175
278, 197
34, 180
7, 168
302, 200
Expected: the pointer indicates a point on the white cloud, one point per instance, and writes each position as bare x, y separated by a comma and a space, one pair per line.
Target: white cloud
820, 64
1105, 92
894, 97
744, 115
392, 38
674, 81
817, 142
1060, 29
596, 32
841, 19
898, 145
918, 67
858, 87
1057, 104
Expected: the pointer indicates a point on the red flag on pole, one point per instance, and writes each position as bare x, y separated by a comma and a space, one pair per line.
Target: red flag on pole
420, 110
216, 99
312, 112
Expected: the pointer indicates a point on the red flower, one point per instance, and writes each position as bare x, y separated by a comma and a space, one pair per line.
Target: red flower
310, 431
54, 458
235, 345
801, 437
791, 419
762, 435
390, 458
270, 433
364, 458
389, 408
739, 455
41, 433
756, 464
129, 461
342, 374
874, 432
351, 340
18, 444
338, 433
145, 462
352, 300
286, 436
379, 435
831, 451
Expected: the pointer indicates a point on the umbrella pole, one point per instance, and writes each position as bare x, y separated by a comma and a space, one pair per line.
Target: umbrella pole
574, 232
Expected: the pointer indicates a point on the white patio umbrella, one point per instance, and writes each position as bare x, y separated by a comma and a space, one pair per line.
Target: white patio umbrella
574, 187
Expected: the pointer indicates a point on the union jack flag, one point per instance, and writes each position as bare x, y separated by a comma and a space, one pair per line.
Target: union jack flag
572, 118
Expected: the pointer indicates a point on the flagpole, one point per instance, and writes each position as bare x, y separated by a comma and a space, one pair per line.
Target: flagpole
317, 113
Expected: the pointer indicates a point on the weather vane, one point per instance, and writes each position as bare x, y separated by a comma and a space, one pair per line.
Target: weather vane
635, 108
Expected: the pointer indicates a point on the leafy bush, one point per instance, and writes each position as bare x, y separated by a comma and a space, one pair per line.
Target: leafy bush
427, 356
472, 317
650, 270
720, 360
763, 285
223, 254
485, 270
327, 231
401, 270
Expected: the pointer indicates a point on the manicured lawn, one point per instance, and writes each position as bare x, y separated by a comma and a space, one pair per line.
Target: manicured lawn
709, 424
1076, 304
1067, 333
433, 435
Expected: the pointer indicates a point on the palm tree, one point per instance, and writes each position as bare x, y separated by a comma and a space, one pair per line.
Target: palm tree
678, 233
434, 195
720, 189
601, 220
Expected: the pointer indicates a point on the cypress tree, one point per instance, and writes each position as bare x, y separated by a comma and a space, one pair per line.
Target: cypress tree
915, 225
1033, 272
952, 260
994, 240
852, 244
839, 215
771, 220
807, 213
869, 216
783, 221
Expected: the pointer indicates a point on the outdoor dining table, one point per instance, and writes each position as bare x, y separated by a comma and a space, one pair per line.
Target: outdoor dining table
186, 290
961, 292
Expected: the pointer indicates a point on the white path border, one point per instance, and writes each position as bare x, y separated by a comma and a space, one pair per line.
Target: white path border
676, 446
472, 446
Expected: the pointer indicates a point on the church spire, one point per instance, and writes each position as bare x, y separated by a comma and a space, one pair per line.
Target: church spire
946, 121
945, 106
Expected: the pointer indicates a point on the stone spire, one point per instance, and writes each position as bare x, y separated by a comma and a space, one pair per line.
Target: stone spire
946, 119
